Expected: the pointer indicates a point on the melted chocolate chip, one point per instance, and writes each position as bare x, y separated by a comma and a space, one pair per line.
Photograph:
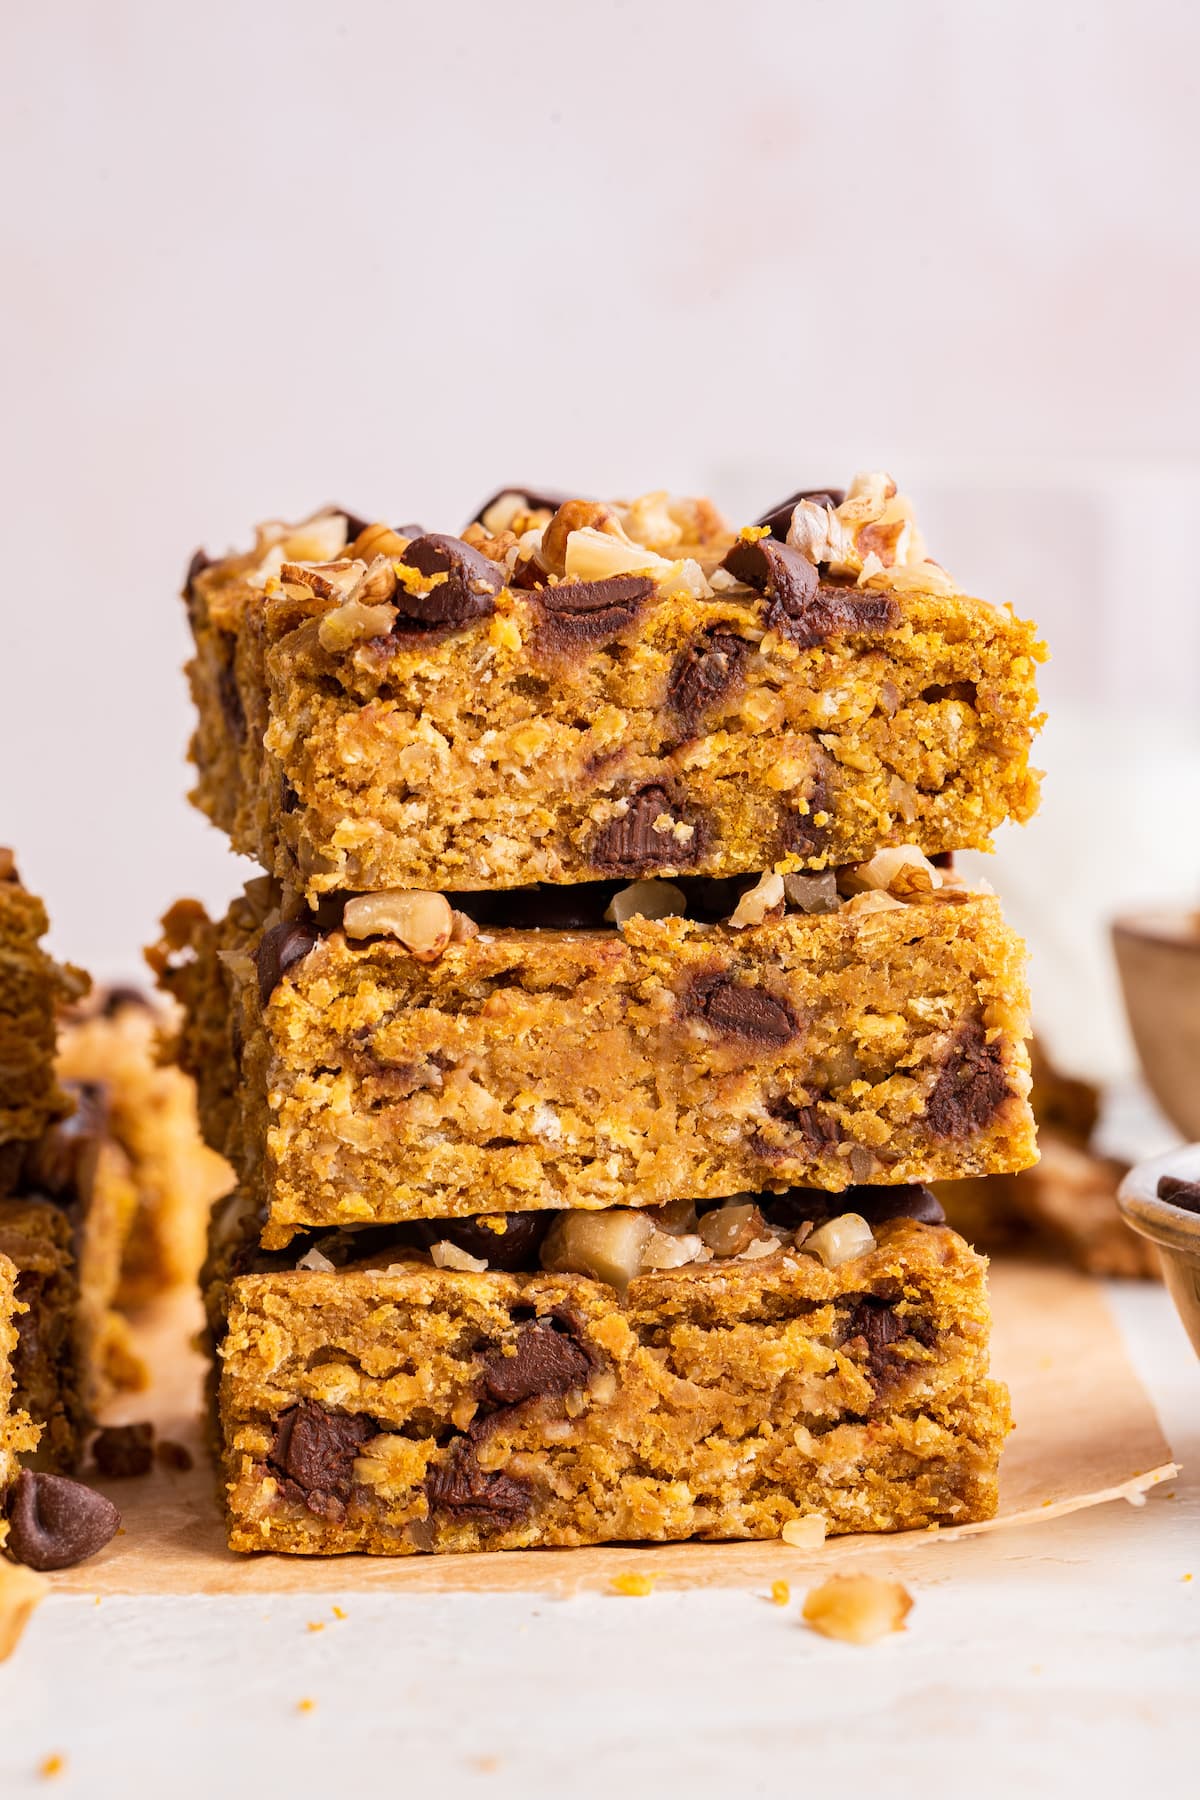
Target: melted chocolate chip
908, 1200
1180, 1193
313, 1456
354, 524
778, 519
468, 592
578, 614
459, 1487
704, 674
547, 1359
54, 1522
629, 845
971, 1087
122, 1451
579, 907
877, 1322
800, 834
813, 1129
535, 501
744, 1012
800, 606
284, 944
514, 1246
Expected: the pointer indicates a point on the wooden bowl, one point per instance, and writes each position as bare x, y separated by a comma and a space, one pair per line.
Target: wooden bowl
1158, 958
1175, 1230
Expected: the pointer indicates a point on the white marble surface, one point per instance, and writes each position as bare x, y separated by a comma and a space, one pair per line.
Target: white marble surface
1076, 1672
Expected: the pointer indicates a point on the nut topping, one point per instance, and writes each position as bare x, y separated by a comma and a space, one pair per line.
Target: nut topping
841, 1240
423, 923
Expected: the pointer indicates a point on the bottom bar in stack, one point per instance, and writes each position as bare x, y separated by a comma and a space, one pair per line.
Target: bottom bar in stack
430, 1401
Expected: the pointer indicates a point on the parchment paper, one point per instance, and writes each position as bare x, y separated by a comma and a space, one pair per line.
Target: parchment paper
1086, 1432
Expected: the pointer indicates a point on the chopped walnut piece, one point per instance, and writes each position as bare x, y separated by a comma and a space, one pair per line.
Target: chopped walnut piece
422, 922
446, 1255
576, 515
378, 540
646, 900
732, 1228
754, 905
858, 1609
671, 1250
607, 1245
902, 871
807, 1533
354, 623
813, 893
840, 1240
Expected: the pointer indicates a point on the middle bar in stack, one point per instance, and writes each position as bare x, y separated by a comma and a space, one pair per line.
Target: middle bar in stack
565, 1274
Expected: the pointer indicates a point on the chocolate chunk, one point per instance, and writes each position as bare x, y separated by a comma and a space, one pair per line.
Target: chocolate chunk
909, 1200
122, 1451
814, 1129
800, 606
514, 1246
971, 1086
1180, 1193
576, 614
800, 834
737, 1011
535, 501
460, 1488
115, 1000
778, 519
875, 1321
230, 698
54, 1522
354, 524
629, 845
284, 944
174, 1456
468, 592
313, 1456
704, 674
547, 1359
200, 561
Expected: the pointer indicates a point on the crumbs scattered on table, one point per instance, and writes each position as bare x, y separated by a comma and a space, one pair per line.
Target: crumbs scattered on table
306, 1706
51, 1766
316, 1624
858, 1609
339, 1614
633, 1584
781, 1593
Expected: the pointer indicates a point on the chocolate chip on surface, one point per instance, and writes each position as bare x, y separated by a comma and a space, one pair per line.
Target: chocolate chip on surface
514, 1246
739, 1011
279, 948
778, 519
1179, 1192
908, 1200
971, 1087
122, 1451
705, 672
630, 844
546, 1359
577, 614
174, 1456
313, 1456
54, 1522
800, 606
468, 592
459, 1487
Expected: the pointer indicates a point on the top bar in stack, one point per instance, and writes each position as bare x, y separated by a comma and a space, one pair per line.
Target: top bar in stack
581, 691
32, 988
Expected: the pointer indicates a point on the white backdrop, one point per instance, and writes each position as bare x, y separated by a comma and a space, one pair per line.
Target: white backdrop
261, 256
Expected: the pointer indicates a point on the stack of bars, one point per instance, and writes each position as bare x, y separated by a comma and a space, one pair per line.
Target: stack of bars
609, 998
104, 1189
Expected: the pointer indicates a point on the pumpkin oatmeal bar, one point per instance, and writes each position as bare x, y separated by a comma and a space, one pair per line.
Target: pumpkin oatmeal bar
580, 690
32, 988
390, 1405
110, 1042
18, 1433
392, 1058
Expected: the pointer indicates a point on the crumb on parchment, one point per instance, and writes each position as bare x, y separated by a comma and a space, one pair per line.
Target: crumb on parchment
633, 1584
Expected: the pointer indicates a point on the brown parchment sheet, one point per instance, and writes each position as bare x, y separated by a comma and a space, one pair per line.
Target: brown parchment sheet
1086, 1432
